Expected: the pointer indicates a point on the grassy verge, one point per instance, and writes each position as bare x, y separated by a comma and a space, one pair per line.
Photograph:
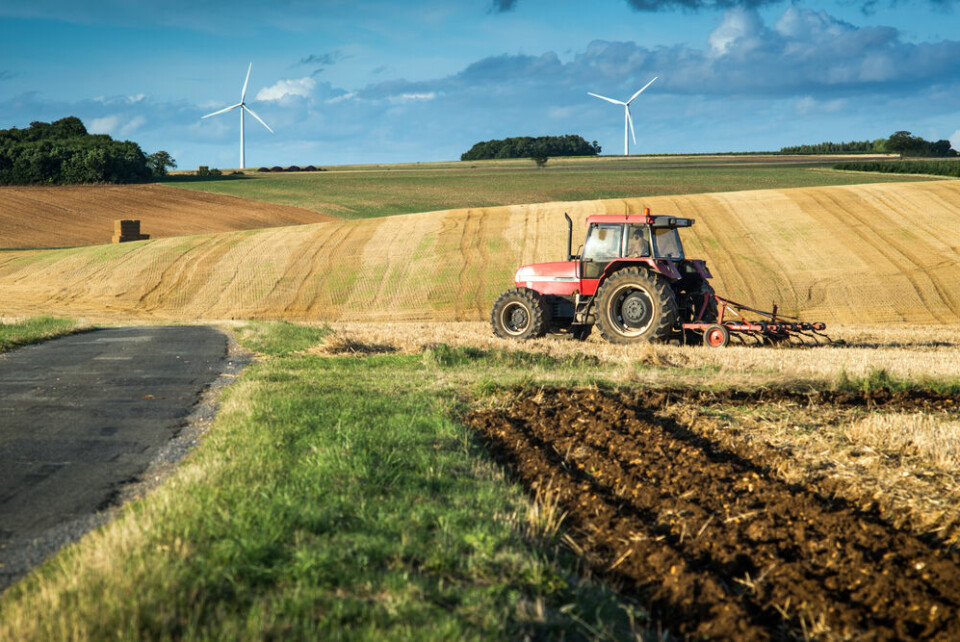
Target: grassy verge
335, 497
20, 333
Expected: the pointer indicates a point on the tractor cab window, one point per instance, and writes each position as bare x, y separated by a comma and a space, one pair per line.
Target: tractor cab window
603, 242
666, 243
638, 242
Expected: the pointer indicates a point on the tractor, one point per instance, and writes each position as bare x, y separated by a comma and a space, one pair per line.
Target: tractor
634, 283
631, 280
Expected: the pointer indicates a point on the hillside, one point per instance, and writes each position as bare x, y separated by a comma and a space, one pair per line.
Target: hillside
853, 254
32, 217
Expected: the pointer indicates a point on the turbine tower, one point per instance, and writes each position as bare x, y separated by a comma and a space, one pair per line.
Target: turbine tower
242, 105
627, 120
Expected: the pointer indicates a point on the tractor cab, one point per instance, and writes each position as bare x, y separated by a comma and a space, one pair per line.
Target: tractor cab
616, 240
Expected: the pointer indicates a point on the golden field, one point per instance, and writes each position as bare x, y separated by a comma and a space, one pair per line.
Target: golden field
858, 254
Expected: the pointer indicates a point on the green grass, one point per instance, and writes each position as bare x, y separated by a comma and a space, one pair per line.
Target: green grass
373, 191
333, 498
34, 330
881, 380
280, 338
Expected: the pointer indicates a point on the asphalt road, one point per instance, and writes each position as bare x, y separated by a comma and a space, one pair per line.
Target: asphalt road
82, 416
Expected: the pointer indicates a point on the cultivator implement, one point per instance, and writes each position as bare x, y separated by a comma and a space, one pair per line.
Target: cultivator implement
732, 324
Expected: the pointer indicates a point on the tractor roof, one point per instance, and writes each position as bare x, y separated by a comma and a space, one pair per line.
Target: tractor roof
656, 221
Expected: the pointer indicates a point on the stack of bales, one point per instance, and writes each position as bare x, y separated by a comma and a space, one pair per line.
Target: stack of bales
126, 230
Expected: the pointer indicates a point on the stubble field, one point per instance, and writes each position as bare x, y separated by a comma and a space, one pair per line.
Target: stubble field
882, 253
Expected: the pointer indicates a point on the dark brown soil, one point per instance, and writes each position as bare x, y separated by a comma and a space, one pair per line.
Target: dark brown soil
714, 543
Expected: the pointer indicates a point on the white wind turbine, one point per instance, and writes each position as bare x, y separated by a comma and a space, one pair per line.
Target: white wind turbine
242, 105
627, 120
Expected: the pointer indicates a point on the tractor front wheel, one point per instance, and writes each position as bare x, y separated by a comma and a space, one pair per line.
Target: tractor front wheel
634, 305
519, 314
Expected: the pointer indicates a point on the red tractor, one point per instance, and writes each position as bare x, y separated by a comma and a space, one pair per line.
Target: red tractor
633, 281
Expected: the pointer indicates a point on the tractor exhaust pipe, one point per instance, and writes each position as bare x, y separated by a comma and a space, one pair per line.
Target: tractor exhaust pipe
569, 237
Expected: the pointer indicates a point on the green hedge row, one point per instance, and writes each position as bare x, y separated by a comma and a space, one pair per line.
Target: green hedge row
937, 168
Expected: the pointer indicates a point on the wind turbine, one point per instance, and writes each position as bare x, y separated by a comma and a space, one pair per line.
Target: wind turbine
627, 120
242, 105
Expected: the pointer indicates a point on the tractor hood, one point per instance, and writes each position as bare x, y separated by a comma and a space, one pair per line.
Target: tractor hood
549, 278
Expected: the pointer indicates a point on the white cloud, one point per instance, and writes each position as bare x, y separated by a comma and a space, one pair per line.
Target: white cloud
412, 97
105, 125
810, 105
739, 27
341, 98
298, 87
116, 125
955, 140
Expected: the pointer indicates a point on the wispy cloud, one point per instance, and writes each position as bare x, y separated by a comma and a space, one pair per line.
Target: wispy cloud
298, 87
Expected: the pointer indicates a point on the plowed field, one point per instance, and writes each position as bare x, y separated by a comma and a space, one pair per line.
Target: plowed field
855, 254
716, 541
32, 217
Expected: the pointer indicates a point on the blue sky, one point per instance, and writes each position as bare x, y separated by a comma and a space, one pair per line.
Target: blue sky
368, 81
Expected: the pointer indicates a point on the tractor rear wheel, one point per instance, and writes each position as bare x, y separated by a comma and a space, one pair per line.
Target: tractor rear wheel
634, 305
520, 314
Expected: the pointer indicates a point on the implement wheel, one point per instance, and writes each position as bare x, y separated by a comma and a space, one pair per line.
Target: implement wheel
519, 314
634, 305
716, 336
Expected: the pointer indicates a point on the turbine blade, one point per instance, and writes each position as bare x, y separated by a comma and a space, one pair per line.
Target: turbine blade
243, 94
630, 120
224, 110
640, 91
258, 118
609, 100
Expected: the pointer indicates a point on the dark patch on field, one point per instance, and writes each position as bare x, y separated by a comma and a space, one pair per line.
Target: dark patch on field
714, 542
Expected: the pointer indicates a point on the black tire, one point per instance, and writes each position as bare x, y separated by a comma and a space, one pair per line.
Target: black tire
519, 314
634, 305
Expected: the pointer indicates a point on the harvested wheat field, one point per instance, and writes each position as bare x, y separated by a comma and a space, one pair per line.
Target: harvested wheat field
855, 254
35, 217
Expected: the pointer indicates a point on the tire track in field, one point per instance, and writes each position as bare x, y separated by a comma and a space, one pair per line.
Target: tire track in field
905, 264
473, 261
324, 263
294, 269
773, 264
885, 201
191, 269
738, 272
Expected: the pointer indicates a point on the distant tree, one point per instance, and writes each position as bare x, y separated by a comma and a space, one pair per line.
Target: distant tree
905, 144
539, 156
158, 162
596, 147
525, 147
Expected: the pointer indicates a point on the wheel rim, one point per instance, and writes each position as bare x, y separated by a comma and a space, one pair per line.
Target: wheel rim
715, 337
631, 310
515, 318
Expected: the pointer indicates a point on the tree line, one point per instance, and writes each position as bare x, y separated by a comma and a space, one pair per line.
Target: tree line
901, 142
63, 152
529, 147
